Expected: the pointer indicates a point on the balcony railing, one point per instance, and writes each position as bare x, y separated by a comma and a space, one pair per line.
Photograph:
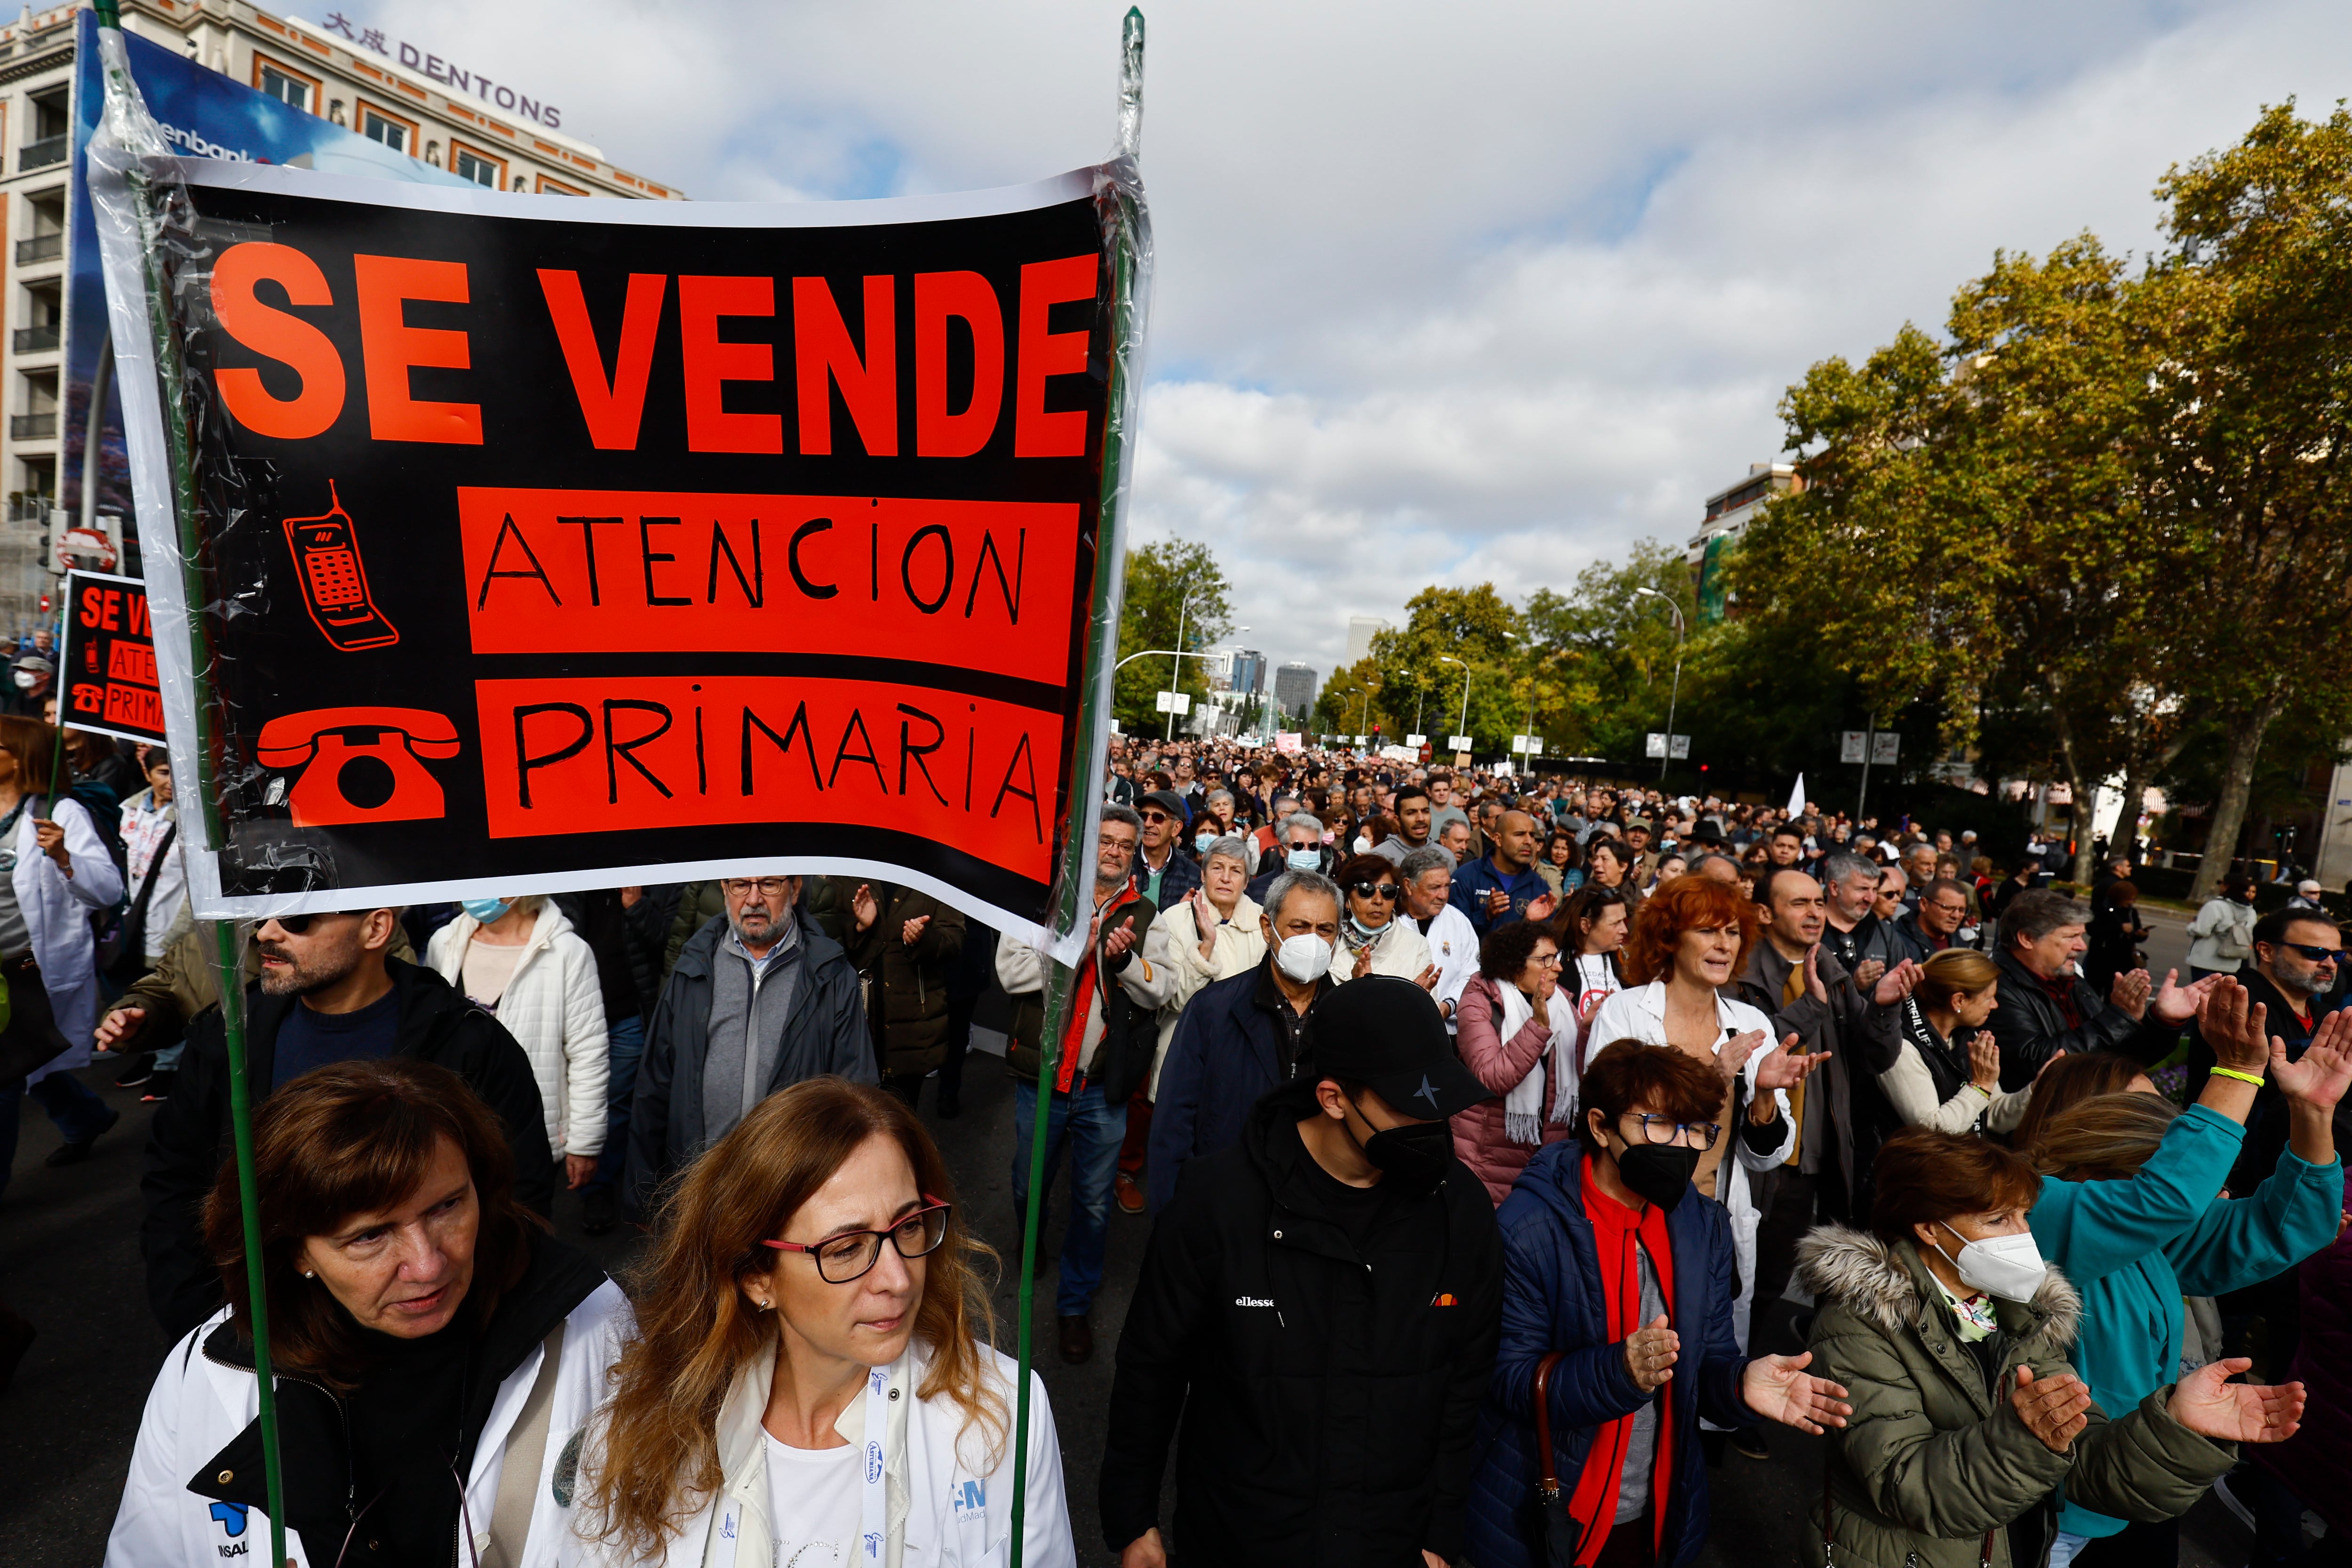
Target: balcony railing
40, 154
40, 248
29, 506
35, 339
32, 426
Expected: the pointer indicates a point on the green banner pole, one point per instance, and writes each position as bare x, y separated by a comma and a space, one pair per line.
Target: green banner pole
1075, 881
123, 99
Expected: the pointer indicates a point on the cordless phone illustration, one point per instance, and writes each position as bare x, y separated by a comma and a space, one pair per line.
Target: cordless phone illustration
334, 584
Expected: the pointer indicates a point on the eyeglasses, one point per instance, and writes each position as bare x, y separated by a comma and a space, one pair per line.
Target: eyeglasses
744, 886
2316, 954
1150, 816
1383, 891
1656, 1129
846, 1257
1547, 961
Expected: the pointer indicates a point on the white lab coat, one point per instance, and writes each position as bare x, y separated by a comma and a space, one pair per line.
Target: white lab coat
57, 916
950, 1499
554, 1008
198, 1405
1454, 947
1640, 1013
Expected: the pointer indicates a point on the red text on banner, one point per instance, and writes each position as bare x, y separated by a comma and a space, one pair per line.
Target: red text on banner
596, 755
983, 585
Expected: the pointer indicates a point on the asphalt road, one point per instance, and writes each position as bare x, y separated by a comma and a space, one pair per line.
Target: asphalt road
68, 1261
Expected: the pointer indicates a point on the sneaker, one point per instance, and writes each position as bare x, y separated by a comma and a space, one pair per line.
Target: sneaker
598, 1212
75, 1153
140, 1070
1129, 1195
159, 1088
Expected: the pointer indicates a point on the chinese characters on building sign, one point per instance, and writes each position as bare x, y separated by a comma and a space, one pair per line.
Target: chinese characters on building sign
447, 72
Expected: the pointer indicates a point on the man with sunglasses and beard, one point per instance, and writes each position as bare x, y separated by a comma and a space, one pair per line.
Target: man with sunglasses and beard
329, 991
2298, 961
1318, 1309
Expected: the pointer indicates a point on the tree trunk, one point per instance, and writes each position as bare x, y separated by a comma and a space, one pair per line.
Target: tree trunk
2140, 772
2230, 811
2078, 814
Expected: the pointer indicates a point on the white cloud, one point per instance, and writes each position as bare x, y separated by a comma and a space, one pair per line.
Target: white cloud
1449, 292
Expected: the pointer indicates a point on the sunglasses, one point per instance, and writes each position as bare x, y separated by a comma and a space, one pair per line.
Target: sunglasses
1385, 890
294, 925
2316, 954
1155, 817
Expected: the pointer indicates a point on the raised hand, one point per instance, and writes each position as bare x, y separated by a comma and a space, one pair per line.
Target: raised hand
2318, 1079
2209, 1404
1650, 1354
1867, 973
1588, 1006
1813, 987
2129, 994
1541, 905
862, 907
119, 1024
2176, 1003
1734, 1052
1984, 1062
2054, 1409
1897, 983
1118, 942
1363, 962
1785, 1067
1427, 978
912, 931
2232, 1027
1777, 1388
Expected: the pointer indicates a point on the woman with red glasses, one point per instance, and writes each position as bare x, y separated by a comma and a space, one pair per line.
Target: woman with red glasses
810, 1363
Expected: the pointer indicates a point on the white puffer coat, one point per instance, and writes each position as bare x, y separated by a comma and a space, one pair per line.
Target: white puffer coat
554, 1008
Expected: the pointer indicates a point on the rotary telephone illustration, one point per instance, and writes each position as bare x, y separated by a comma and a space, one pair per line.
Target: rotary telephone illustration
359, 764
334, 581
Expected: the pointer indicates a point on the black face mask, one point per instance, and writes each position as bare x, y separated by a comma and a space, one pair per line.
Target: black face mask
1413, 1156
1658, 1172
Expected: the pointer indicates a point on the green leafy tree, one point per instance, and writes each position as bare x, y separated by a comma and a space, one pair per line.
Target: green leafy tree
1167, 583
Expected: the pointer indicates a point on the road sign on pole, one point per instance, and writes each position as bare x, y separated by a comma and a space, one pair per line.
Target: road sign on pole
1176, 703
1458, 742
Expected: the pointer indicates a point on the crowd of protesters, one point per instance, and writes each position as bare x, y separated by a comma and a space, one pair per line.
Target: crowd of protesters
1481, 1126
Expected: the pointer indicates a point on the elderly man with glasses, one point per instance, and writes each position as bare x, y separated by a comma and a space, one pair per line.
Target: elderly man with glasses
761, 999
1934, 924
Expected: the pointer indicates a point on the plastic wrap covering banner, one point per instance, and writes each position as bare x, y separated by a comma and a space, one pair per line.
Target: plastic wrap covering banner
543, 544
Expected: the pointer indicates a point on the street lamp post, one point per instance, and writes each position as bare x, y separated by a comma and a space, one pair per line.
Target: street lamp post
1676, 697
1464, 728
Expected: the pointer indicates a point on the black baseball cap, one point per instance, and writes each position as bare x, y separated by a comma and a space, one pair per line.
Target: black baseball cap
1386, 1033
1167, 801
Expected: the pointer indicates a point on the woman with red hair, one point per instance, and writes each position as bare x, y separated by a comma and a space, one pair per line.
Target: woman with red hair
1689, 937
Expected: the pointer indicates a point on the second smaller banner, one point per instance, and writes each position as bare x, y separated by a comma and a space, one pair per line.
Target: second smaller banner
106, 660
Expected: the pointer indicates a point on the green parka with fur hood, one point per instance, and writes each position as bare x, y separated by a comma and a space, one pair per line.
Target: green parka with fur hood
1935, 1460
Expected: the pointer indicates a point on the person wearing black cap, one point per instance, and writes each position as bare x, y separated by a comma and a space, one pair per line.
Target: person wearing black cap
1164, 873
1319, 1305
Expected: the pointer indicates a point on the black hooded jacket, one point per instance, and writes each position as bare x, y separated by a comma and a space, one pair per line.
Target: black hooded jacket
1328, 1398
189, 1139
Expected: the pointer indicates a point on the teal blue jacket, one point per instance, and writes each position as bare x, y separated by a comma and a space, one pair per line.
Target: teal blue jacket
2134, 1247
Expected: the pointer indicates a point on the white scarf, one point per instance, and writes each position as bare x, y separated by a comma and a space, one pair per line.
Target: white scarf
1523, 1117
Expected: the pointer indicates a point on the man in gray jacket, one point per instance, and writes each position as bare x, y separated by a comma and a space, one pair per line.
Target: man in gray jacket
761, 999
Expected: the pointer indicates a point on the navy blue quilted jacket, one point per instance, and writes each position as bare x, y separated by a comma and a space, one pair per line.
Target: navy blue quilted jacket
1552, 1300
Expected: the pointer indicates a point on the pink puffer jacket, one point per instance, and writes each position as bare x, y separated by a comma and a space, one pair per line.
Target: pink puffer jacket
1499, 1064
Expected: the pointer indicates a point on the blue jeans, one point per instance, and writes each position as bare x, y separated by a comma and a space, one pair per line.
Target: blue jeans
627, 1038
1093, 1133
80, 1114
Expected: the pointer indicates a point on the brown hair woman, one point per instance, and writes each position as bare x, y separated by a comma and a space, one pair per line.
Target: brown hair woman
809, 1366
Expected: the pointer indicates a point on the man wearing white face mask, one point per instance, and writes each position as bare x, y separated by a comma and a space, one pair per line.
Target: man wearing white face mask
1297, 847
1240, 1037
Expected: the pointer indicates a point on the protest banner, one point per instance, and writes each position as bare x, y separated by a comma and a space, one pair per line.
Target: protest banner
201, 114
549, 547
106, 659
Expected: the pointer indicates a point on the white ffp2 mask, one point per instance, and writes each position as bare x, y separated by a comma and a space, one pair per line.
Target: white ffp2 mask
2009, 1267
1306, 958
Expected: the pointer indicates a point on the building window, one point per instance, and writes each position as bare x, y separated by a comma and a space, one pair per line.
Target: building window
549, 187
468, 165
395, 135
285, 89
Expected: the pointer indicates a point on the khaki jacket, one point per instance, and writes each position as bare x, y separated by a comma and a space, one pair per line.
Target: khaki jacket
1934, 1461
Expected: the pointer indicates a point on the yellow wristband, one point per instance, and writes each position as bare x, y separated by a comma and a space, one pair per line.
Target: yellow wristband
2252, 1077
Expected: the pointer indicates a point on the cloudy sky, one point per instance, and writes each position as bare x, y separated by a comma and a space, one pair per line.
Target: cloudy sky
1453, 294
